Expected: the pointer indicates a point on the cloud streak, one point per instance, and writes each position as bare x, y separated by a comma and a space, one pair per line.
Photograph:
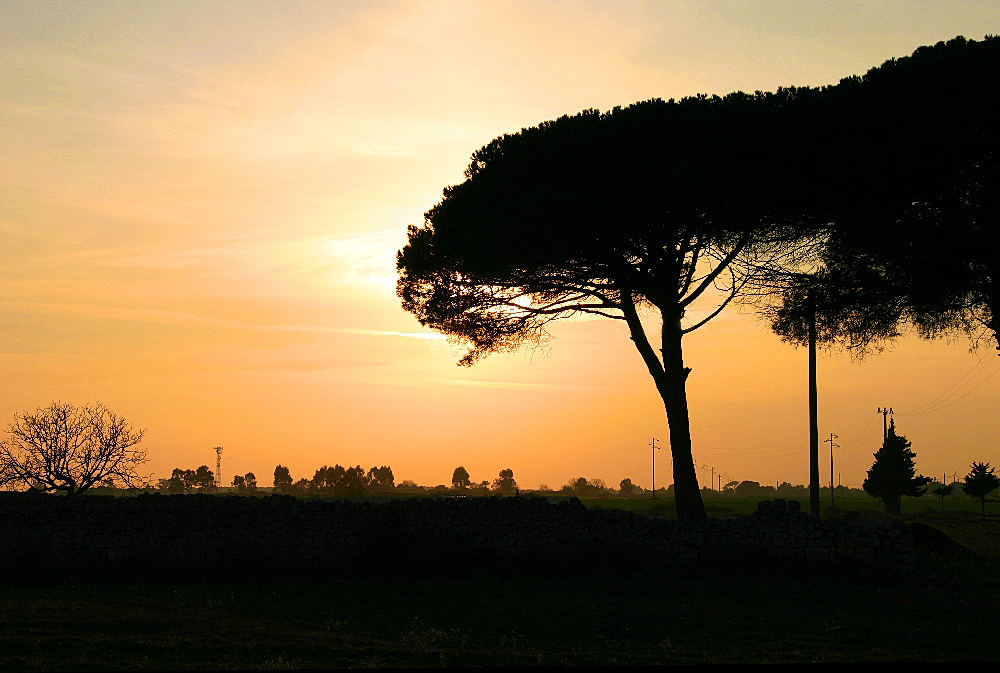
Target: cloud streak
165, 317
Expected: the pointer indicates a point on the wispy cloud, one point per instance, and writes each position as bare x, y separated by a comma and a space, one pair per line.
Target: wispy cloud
165, 317
510, 385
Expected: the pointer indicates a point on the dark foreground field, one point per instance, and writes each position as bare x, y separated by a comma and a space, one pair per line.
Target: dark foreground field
948, 609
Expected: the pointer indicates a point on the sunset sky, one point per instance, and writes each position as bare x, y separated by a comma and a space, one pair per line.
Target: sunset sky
200, 205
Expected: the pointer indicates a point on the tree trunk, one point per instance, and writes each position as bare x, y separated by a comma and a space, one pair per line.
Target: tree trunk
670, 376
893, 504
813, 412
674, 393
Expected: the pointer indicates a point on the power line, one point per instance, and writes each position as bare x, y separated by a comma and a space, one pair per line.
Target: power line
948, 403
976, 367
955, 391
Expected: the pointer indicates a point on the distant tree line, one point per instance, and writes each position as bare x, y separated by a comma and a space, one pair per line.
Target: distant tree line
892, 476
187, 481
335, 480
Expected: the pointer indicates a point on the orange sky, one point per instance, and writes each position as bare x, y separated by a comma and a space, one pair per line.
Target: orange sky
199, 210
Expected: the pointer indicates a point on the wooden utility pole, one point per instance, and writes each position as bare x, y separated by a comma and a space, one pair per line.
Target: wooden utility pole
885, 411
653, 478
813, 412
832, 447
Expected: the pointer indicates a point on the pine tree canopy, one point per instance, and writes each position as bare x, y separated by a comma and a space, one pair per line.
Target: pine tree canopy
893, 474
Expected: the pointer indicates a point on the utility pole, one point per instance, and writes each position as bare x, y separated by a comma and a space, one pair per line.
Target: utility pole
653, 478
832, 447
885, 411
713, 476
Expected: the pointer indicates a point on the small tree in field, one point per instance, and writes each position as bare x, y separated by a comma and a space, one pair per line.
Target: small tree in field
942, 491
626, 487
70, 449
892, 475
980, 481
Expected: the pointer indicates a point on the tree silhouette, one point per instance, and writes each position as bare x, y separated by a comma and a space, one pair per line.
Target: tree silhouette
70, 449
175, 484
204, 478
908, 182
942, 491
980, 481
355, 480
381, 478
892, 475
460, 478
505, 484
329, 478
626, 487
282, 479
639, 211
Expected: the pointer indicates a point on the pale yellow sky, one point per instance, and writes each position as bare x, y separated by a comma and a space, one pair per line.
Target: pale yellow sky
200, 206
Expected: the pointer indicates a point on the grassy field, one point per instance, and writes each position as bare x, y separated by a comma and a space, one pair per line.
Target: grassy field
946, 611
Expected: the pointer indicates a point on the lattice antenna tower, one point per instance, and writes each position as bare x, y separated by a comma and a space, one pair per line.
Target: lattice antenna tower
218, 466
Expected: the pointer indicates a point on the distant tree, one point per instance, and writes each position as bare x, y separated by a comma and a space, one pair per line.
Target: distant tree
577, 486
892, 475
70, 449
337, 477
505, 484
980, 481
327, 478
460, 478
301, 486
240, 483
251, 481
175, 484
381, 478
747, 489
282, 479
626, 487
204, 478
185, 477
355, 480
581, 486
942, 491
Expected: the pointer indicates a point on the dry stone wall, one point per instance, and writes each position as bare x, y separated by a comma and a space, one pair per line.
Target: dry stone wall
280, 536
